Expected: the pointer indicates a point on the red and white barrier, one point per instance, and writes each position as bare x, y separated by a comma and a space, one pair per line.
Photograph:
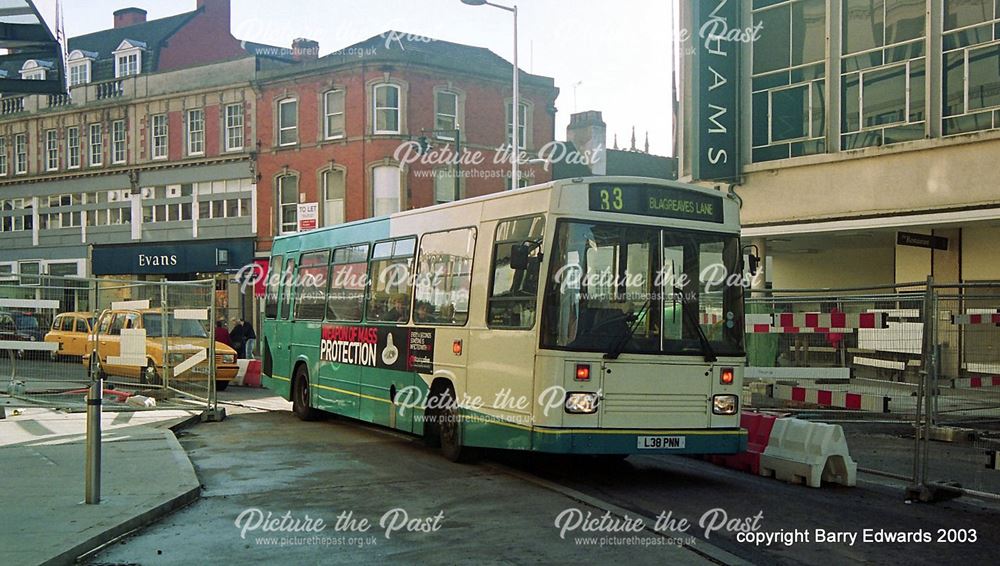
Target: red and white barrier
251, 378
976, 382
833, 399
814, 322
973, 319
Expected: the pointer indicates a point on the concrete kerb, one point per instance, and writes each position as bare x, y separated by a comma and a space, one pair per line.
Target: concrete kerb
135, 522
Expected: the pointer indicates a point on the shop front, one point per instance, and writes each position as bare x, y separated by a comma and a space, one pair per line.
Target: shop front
220, 260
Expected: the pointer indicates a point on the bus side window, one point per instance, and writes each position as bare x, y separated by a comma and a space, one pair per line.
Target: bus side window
348, 274
311, 284
444, 277
513, 299
390, 291
271, 291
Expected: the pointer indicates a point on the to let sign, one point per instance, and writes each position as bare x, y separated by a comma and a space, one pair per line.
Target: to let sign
308, 216
715, 75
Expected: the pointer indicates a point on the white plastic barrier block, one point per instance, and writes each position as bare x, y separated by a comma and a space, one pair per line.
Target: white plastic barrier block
241, 371
801, 451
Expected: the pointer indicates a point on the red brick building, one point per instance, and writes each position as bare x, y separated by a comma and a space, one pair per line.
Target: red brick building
329, 129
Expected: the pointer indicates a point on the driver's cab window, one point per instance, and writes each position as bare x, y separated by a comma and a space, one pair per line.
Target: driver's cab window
7, 324
513, 300
105, 324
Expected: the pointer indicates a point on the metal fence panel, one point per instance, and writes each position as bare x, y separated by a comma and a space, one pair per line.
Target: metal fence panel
153, 342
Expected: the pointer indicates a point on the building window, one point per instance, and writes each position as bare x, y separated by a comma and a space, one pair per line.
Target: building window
96, 145
217, 199
196, 132
970, 83
234, 127
118, 151
387, 184
51, 150
445, 114
21, 154
882, 73
789, 102
386, 107
288, 122
445, 186
333, 197
73, 147
159, 138
288, 201
333, 109
79, 74
522, 125
3, 156
128, 63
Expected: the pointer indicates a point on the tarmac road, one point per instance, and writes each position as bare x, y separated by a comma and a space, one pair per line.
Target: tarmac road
274, 462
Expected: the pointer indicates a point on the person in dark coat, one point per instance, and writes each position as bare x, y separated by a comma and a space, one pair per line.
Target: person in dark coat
249, 339
238, 338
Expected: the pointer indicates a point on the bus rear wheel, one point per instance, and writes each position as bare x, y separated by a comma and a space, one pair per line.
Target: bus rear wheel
300, 396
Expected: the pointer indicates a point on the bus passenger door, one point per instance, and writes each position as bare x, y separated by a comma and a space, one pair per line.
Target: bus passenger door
282, 336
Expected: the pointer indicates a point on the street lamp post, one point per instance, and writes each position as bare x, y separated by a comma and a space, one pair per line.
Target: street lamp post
516, 106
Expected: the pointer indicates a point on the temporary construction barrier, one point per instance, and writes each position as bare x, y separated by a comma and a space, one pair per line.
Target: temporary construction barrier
807, 452
758, 427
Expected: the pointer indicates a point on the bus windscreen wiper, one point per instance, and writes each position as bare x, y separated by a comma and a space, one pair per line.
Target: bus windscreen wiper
706, 345
619, 346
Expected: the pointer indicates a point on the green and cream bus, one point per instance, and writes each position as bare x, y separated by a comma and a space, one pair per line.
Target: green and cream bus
597, 316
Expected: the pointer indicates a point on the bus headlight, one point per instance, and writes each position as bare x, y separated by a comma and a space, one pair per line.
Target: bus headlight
725, 404
229, 358
582, 403
176, 358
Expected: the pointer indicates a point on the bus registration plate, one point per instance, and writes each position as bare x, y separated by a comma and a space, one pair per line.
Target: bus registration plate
660, 442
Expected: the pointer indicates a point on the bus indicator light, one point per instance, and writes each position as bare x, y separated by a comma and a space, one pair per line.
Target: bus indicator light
726, 376
582, 372
456, 347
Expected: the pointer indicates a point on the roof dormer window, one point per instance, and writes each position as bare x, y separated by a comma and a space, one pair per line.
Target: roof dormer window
128, 58
35, 70
79, 63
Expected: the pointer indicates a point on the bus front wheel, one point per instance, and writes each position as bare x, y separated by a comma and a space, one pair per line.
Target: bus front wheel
449, 427
300, 396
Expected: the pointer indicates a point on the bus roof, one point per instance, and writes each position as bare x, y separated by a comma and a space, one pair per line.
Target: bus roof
500, 196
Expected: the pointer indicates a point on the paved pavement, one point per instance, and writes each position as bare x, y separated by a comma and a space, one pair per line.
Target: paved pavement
257, 465
145, 475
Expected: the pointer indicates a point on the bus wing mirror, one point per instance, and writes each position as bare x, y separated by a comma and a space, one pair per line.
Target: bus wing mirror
519, 257
753, 258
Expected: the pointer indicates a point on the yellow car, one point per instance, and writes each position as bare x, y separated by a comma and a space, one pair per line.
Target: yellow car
69, 330
184, 339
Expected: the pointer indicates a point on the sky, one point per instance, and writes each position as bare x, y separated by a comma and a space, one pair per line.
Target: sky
606, 56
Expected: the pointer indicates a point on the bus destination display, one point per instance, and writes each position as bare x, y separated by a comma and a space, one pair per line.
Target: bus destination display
651, 200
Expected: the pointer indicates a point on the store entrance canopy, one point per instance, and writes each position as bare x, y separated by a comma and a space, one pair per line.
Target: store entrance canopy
31, 60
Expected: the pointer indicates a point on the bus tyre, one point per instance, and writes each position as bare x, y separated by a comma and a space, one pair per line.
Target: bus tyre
300, 396
221, 385
450, 429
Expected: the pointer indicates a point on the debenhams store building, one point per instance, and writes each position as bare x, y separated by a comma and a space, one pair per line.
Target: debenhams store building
869, 135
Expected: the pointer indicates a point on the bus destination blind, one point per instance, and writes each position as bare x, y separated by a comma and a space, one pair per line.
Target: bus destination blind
651, 200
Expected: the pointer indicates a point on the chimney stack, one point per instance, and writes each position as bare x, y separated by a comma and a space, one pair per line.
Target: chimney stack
305, 49
218, 10
129, 17
588, 132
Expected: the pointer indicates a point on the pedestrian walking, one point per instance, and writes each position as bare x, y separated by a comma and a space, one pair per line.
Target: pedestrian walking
237, 336
249, 339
